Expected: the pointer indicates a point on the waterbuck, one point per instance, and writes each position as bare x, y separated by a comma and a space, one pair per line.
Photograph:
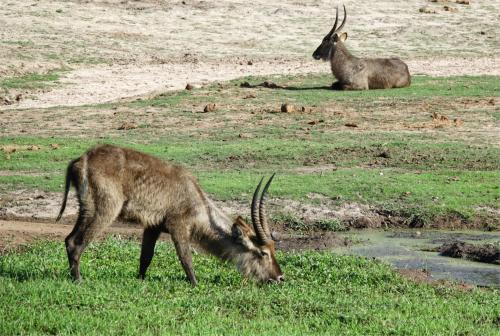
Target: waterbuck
114, 182
353, 73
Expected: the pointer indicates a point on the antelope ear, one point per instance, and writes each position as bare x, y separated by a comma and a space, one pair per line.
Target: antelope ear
237, 232
240, 228
241, 233
343, 37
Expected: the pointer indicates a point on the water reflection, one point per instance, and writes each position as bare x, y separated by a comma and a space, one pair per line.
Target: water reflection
404, 249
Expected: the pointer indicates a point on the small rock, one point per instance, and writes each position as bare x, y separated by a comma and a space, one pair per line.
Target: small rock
306, 109
463, 2
287, 108
189, 87
250, 96
250, 63
427, 10
8, 149
59, 10
209, 108
458, 122
385, 154
351, 125
270, 85
245, 136
19, 97
450, 9
33, 148
127, 126
245, 85
314, 122
54, 146
6, 101
491, 101
439, 117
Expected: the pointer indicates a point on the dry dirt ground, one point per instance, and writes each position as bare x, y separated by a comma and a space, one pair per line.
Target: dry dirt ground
29, 215
488, 253
118, 49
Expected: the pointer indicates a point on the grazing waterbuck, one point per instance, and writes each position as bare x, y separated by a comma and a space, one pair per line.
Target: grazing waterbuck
114, 182
353, 73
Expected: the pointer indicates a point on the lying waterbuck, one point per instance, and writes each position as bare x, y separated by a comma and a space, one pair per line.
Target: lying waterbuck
353, 73
114, 182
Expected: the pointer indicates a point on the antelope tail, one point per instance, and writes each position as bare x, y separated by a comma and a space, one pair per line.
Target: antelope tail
82, 188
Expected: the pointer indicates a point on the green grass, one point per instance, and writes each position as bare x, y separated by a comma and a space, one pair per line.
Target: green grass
311, 88
430, 171
30, 81
429, 195
407, 152
323, 294
292, 223
438, 184
21, 43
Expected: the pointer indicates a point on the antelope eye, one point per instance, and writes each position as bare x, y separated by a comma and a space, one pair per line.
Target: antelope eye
264, 254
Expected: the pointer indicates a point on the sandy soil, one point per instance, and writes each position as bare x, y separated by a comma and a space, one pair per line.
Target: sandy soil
44, 206
14, 234
121, 49
29, 215
17, 233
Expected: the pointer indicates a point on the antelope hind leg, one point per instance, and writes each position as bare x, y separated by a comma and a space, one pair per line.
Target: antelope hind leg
86, 228
149, 239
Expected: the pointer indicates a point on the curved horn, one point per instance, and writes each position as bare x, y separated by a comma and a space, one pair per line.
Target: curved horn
343, 21
335, 24
255, 219
262, 208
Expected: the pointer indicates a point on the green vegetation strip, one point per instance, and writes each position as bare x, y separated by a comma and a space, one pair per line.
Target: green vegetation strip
230, 170
429, 172
30, 81
406, 152
310, 88
323, 294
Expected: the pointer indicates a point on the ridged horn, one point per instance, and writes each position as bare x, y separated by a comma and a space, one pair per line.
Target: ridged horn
343, 21
334, 25
259, 231
262, 209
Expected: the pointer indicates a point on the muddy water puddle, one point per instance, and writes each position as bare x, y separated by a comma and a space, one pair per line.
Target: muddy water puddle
405, 249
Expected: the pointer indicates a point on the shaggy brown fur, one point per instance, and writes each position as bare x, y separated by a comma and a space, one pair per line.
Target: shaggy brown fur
114, 182
353, 73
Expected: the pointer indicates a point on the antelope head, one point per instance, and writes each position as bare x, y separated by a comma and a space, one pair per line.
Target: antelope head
257, 258
327, 46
